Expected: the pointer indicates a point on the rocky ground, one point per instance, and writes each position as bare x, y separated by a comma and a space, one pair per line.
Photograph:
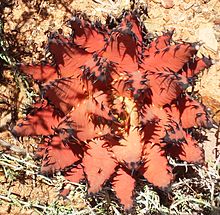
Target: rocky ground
26, 25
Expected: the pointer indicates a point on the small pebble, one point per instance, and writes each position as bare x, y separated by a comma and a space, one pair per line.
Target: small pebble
217, 21
167, 3
207, 36
188, 6
166, 18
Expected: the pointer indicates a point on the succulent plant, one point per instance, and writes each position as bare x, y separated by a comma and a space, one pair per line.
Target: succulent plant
115, 106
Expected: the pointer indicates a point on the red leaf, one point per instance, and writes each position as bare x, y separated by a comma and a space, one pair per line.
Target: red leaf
43, 73
174, 133
165, 86
129, 148
188, 151
173, 110
156, 169
122, 49
59, 47
133, 85
89, 119
40, 121
88, 36
75, 174
159, 125
193, 113
132, 21
58, 155
153, 114
195, 66
65, 55
98, 73
153, 121
160, 42
98, 164
124, 185
78, 128
65, 93
172, 58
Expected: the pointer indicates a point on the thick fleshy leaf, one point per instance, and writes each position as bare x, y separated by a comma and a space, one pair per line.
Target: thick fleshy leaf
75, 174
187, 151
195, 66
160, 42
153, 158
152, 122
165, 86
123, 185
68, 57
59, 47
58, 155
156, 169
172, 58
122, 49
174, 133
65, 93
133, 85
193, 113
88, 120
41, 121
87, 35
98, 73
78, 128
99, 164
129, 149
153, 114
159, 126
173, 110
136, 27
42, 72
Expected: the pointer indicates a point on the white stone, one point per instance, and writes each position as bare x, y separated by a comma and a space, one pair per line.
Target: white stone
206, 35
